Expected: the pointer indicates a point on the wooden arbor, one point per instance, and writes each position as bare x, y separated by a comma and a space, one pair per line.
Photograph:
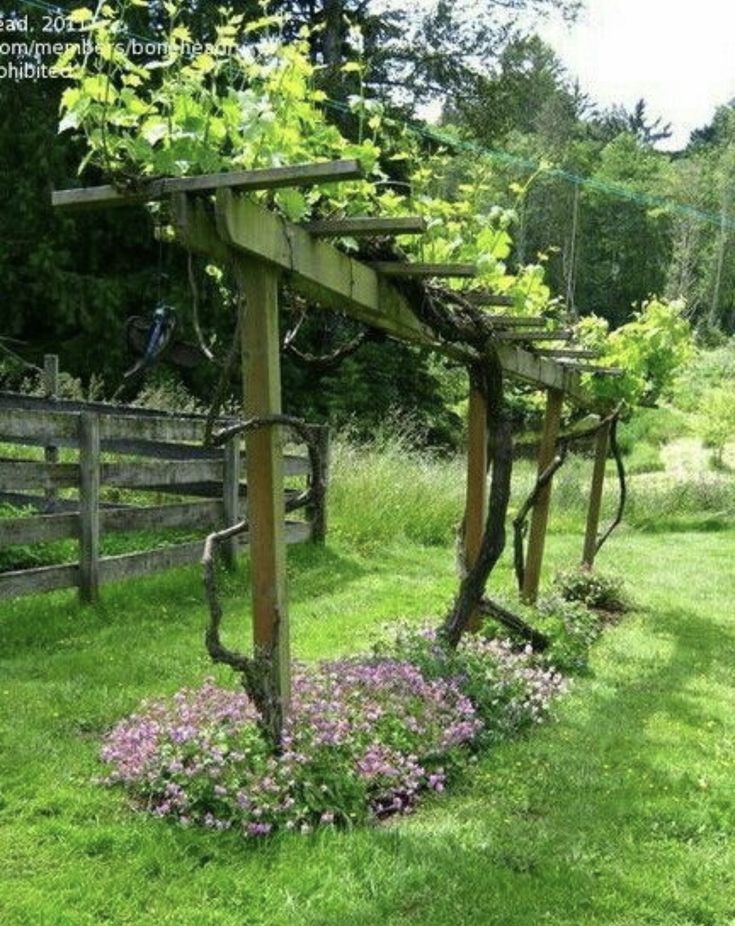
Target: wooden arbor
262, 248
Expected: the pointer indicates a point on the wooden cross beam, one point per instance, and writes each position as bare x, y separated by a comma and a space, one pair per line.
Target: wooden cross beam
558, 335
268, 178
482, 298
573, 353
335, 280
396, 268
367, 226
515, 321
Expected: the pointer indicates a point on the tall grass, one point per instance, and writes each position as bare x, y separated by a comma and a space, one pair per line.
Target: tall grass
385, 491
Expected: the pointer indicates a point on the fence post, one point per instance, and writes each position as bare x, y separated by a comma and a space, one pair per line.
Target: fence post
540, 517
316, 512
89, 506
51, 389
231, 495
595, 503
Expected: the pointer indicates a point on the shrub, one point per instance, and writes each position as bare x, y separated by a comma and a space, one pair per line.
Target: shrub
594, 589
717, 415
510, 688
364, 737
572, 628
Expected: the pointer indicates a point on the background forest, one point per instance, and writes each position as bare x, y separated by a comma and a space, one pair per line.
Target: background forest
613, 219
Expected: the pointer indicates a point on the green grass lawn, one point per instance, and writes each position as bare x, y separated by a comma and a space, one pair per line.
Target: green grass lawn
620, 812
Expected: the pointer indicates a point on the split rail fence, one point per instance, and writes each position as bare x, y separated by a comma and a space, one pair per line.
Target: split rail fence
151, 452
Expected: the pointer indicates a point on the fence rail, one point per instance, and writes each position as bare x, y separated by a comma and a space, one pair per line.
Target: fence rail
174, 463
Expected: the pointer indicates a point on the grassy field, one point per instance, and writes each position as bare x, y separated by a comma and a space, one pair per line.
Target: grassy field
621, 812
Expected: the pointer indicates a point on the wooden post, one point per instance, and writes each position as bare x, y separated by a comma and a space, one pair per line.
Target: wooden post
317, 513
476, 498
595, 503
89, 506
51, 389
540, 517
231, 495
261, 366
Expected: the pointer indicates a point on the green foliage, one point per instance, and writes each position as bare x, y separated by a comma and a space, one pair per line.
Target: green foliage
252, 100
650, 350
653, 426
594, 589
644, 458
572, 628
717, 417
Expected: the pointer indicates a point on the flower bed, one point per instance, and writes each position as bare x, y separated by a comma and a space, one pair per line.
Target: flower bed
365, 738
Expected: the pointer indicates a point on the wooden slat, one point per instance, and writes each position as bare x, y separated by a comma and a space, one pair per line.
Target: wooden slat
481, 298
32, 474
198, 515
268, 178
170, 474
514, 321
46, 427
561, 353
38, 528
367, 226
591, 368
558, 335
42, 579
396, 268
161, 428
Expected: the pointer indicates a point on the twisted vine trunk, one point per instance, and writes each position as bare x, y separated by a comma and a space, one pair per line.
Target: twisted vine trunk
488, 379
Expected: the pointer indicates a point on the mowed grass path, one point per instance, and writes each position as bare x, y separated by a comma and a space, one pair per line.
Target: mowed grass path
620, 813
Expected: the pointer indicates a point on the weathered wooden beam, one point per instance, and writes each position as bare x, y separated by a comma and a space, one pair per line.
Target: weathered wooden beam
482, 298
261, 372
476, 496
89, 506
540, 516
51, 388
267, 178
514, 321
173, 474
369, 226
38, 528
561, 353
390, 268
591, 368
200, 516
595, 502
41, 579
560, 334
32, 474
339, 282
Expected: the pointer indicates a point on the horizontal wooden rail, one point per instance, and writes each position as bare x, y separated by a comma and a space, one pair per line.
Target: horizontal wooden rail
38, 528
201, 516
367, 226
41, 579
32, 474
127, 565
267, 178
171, 473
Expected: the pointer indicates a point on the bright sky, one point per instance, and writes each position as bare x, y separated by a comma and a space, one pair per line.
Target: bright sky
678, 55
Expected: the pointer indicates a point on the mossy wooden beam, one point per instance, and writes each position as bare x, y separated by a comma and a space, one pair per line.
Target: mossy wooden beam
394, 268
563, 353
363, 226
270, 178
558, 335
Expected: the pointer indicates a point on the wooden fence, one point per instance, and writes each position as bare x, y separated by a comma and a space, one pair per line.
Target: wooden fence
166, 457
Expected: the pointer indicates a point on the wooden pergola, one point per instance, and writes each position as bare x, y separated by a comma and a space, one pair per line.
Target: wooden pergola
212, 217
